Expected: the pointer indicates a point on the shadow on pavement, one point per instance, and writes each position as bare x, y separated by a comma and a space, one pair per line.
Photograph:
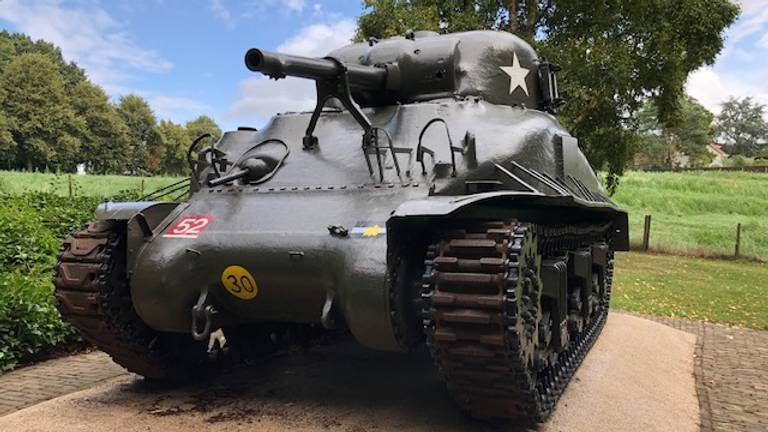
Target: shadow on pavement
341, 385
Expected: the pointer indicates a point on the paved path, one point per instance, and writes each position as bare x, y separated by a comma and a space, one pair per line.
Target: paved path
731, 369
638, 377
33, 384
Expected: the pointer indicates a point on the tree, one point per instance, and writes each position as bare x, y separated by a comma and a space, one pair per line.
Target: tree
690, 135
105, 140
7, 144
614, 53
176, 142
16, 44
42, 122
201, 125
7, 51
145, 140
742, 126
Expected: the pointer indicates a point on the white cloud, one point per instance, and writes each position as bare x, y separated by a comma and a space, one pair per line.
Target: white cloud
176, 108
90, 37
750, 7
266, 7
258, 97
294, 5
753, 19
711, 88
221, 11
740, 70
100, 45
319, 39
707, 87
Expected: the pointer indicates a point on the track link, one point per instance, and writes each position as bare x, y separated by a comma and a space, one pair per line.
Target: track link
481, 294
92, 293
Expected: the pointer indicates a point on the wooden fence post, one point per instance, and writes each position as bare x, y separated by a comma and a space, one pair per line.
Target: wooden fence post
647, 232
141, 190
738, 239
69, 183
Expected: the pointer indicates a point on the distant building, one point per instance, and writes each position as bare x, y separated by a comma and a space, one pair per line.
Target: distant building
718, 154
680, 160
666, 160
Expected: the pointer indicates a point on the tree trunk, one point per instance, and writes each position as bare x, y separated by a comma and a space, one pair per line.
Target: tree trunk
512, 12
532, 15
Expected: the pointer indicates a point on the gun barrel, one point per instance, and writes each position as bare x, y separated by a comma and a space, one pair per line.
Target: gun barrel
281, 65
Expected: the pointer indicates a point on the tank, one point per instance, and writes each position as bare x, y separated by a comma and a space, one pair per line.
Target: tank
431, 199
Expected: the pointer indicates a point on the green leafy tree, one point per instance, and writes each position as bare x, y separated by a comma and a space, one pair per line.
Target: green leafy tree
16, 44
176, 141
7, 50
105, 141
145, 140
663, 144
201, 125
742, 126
614, 53
7, 144
39, 114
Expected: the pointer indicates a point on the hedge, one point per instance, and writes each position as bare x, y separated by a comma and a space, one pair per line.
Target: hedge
32, 226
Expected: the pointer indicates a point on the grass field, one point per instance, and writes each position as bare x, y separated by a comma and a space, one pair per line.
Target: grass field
695, 213
732, 292
13, 182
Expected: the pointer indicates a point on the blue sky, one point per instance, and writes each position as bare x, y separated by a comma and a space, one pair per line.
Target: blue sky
185, 57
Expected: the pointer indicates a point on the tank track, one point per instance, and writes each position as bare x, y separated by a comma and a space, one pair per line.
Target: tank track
483, 328
92, 293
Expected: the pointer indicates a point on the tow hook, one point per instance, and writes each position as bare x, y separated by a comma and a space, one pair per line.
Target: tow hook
201, 311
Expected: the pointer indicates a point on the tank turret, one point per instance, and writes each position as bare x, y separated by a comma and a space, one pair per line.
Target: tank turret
498, 67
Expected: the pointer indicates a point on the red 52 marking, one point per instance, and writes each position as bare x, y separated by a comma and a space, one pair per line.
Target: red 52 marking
189, 226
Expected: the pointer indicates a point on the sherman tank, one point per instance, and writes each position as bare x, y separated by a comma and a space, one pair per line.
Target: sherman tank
431, 198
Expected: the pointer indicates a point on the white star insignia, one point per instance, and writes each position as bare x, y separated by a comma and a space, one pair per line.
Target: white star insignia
517, 75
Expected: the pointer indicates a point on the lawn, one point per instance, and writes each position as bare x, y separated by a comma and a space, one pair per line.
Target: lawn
732, 292
14, 182
695, 213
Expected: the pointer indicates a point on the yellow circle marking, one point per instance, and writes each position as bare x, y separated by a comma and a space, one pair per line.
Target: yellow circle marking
239, 282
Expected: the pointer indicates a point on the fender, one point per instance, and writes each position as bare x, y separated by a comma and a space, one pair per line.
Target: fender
509, 204
152, 211
143, 220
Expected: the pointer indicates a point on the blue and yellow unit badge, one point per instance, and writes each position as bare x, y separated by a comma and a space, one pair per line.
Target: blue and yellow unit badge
368, 230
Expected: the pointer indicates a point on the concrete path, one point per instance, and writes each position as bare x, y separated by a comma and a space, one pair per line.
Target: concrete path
639, 376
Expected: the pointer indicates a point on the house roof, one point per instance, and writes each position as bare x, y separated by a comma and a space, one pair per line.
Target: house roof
717, 149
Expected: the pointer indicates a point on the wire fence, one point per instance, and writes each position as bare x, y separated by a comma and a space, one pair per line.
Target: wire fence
699, 237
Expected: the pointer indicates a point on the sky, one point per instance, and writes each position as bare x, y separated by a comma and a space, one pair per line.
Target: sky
186, 56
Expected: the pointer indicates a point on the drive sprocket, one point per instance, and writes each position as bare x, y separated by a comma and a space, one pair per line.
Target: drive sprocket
92, 293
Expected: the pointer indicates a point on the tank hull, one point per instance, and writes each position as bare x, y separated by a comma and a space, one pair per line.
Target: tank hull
308, 274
